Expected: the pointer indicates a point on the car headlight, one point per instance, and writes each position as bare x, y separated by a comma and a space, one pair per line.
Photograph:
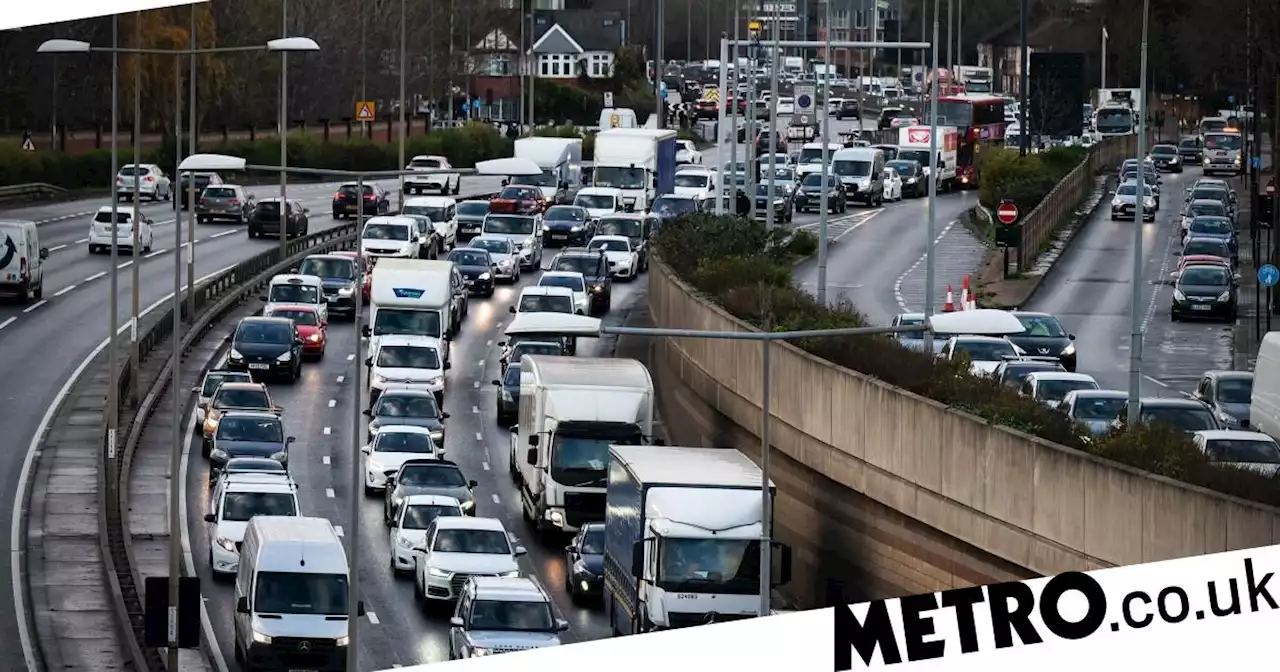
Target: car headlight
435, 380
1178, 295
379, 380
1228, 420
438, 438
596, 289
403, 542
1225, 296
260, 638
433, 571
911, 180
1115, 203
515, 573
526, 244
285, 357
315, 338
235, 354
375, 466
575, 229
468, 505
506, 396
346, 291
477, 653
1069, 350
227, 544
580, 568
342, 641
280, 456
485, 276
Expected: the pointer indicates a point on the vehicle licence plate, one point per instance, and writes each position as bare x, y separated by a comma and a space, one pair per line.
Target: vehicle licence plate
1200, 307
471, 282
260, 366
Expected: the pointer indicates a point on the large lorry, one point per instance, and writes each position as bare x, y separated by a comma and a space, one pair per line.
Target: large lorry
975, 79
572, 409
561, 162
639, 161
414, 297
682, 538
914, 143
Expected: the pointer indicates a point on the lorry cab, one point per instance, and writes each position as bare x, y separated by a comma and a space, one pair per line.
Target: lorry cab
416, 297
559, 159
291, 589
304, 290
22, 270
639, 161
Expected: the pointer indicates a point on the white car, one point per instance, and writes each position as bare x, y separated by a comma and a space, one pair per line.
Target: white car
443, 213
410, 528
696, 182
390, 236
153, 183
892, 185
542, 299
462, 545
599, 201
624, 261
407, 362
833, 105
100, 231
237, 498
687, 152
786, 105
1254, 451
1051, 387
431, 173
985, 353
391, 447
503, 252
574, 282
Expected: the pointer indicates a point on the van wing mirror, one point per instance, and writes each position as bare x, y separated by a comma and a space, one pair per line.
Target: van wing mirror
531, 456
360, 610
242, 605
782, 552
210, 518
637, 559
44, 253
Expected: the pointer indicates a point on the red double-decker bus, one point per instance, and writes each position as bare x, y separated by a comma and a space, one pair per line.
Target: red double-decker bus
979, 120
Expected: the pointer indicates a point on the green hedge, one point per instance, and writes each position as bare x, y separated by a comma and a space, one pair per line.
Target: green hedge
747, 270
463, 146
1024, 179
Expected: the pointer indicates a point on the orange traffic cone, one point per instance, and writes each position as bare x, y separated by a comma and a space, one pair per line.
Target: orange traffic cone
949, 306
968, 299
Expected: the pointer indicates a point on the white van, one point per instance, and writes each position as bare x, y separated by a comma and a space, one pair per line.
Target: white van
618, 117
860, 169
560, 160
296, 290
22, 261
1264, 406
291, 589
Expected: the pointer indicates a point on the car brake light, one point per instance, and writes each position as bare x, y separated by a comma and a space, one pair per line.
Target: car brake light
337, 195
149, 179
234, 201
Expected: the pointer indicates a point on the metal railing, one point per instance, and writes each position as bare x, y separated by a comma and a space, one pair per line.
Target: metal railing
31, 191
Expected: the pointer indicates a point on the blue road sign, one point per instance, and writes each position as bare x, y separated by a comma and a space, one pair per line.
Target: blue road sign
1268, 275
804, 102
1256, 162
466, 107
1231, 99
475, 104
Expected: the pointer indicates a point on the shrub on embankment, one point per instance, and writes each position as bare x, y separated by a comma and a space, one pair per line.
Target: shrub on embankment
747, 270
1026, 180
463, 146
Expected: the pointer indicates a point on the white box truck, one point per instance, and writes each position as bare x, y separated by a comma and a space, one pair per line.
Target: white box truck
571, 410
682, 538
914, 143
412, 297
639, 161
560, 160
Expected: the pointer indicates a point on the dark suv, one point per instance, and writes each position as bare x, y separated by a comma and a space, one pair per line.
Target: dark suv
346, 203
848, 110
594, 267
202, 180
265, 220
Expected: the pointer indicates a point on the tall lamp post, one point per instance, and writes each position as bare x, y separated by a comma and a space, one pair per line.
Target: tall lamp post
1136, 309
59, 46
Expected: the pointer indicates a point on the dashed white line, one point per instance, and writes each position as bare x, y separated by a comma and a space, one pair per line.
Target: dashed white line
155, 254
341, 378
82, 240
496, 500
224, 233
479, 436
485, 465
64, 290
476, 384
351, 357
333, 402
480, 363
55, 248
897, 284
488, 344
35, 305
475, 409
328, 492
95, 276
337, 529
8, 322
328, 431
1157, 382
326, 460
126, 264
373, 618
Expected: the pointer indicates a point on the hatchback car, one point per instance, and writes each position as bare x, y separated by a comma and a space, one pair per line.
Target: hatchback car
1204, 292
1045, 337
208, 386
1095, 409
1229, 394
266, 346
310, 325
584, 556
248, 434
427, 477
471, 216
509, 392
1252, 451
234, 396
346, 202
1049, 387
1165, 157
1187, 415
404, 407
225, 202
149, 179
479, 270
500, 614
393, 446
265, 220
504, 253
566, 225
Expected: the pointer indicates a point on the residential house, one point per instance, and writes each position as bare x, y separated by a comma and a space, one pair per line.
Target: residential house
569, 43
493, 73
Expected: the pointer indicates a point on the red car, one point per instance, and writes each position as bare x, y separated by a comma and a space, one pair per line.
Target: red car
364, 271
518, 200
312, 329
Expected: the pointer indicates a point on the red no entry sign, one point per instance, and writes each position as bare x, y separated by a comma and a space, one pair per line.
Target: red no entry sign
1007, 213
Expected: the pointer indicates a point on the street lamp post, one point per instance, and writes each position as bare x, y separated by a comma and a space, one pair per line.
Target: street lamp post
136, 203
192, 132
175, 384
824, 203
404, 57
113, 391
1136, 309
930, 263
284, 127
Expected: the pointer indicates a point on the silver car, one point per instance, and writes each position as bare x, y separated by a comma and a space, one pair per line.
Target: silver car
224, 202
204, 393
427, 477
501, 615
504, 253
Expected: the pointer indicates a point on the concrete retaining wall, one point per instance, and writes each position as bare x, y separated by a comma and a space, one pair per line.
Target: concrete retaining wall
891, 493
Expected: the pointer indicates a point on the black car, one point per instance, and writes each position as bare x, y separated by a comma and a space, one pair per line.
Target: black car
248, 434
471, 219
416, 408
848, 110
566, 225
1206, 291
340, 276
809, 196
1188, 415
346, 203
671, 206
1012, 374
265, 220
594, 267
202, 180
1190, 150
266, 346
1228, 394
427, 477
584, 556
1045, 337
1165, 157
478, 269
509, 394
914, 182
515, 349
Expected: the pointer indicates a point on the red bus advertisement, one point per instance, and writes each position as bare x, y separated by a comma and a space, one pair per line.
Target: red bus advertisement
980, 121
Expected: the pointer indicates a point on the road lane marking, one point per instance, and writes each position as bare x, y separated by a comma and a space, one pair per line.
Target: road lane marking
479, 436
82, 240
35, 305
475, 409
351, 357
55, 248
328, 492
485, 465
1157, 382
156, 253
496, 500
126, 264
897, 284
476, 384
64, 290
224, 233
373, 617
8, 322
95, 276
341, 378
333, 402
328, 431
325, 460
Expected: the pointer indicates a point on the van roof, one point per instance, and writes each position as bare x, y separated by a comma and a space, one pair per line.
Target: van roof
298, 544
589, 371
431, 201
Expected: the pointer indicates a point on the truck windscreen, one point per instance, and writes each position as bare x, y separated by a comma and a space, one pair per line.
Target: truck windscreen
727, 566
389, 321
620, 178
580, 451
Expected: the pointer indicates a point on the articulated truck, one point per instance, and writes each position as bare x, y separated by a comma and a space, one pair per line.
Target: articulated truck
682, 538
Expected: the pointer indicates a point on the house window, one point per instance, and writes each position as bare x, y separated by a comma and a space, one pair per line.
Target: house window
600, 65
499, 65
